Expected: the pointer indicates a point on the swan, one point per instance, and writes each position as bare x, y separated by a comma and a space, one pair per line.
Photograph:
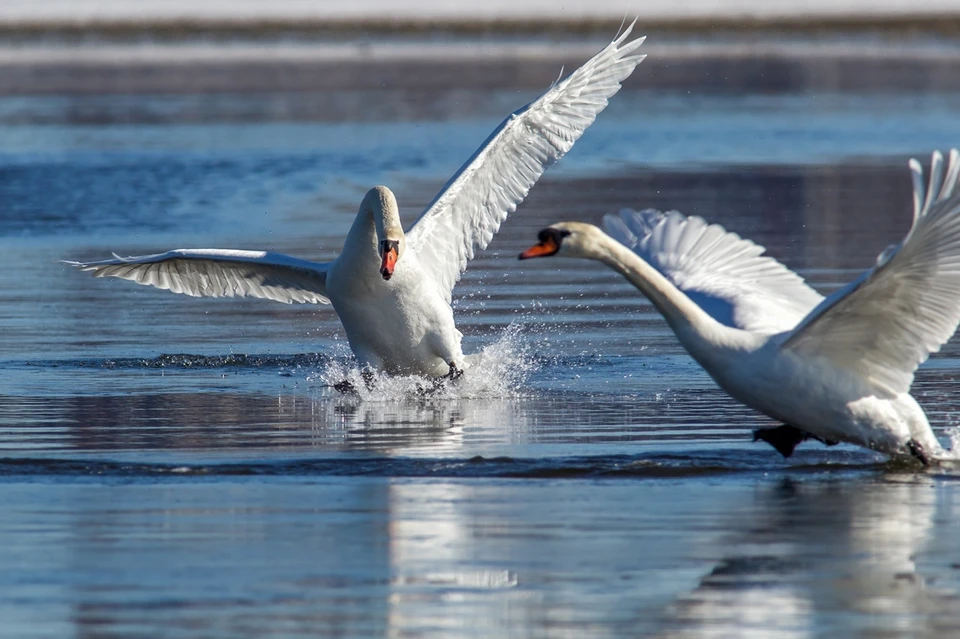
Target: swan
392, 289
837, 369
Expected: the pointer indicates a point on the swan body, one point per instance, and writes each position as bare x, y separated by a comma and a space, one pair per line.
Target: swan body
402, 323
392, 289
838, 369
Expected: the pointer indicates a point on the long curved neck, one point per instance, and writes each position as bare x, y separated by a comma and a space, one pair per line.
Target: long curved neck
693, 326
378, 219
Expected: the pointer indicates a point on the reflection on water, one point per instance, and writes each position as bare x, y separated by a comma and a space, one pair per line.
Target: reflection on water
793, 557
825, 551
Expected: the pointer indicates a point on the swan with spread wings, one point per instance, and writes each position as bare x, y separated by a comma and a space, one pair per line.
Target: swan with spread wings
837, 369
392, 289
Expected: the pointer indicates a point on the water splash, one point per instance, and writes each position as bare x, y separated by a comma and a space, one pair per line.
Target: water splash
953, 453
497, 371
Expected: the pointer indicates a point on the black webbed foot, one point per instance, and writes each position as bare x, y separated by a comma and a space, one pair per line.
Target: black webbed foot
368, 375
783, 438
786, 438
916, 450
437, 384
825, 442
455, 371
348, 388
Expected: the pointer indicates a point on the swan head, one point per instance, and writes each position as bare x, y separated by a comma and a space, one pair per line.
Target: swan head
381, 202
566, 239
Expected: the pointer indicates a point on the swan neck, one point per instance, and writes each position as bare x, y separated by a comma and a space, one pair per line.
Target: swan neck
381, 205
378, 219
685, 317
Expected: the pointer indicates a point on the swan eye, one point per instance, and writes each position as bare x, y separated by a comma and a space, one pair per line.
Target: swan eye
386, 245
549, 233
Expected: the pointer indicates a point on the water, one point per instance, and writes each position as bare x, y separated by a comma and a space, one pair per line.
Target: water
182, 466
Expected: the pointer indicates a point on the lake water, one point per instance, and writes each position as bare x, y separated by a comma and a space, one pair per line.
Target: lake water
181, 466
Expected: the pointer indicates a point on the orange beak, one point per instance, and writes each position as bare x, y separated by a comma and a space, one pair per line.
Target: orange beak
546, 247
388, 262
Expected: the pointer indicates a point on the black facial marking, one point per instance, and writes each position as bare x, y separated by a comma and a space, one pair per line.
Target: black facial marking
386, 245
551, 233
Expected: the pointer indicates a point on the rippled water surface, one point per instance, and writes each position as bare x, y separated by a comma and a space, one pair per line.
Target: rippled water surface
181, 466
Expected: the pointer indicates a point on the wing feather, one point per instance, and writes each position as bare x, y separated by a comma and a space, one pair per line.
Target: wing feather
467, 213
726, 275
221, 273
884, 324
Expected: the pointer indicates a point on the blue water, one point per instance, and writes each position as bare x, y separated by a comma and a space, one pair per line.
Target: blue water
181, 466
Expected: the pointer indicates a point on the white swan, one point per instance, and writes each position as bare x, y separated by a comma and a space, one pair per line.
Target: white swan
836, 369
392, 290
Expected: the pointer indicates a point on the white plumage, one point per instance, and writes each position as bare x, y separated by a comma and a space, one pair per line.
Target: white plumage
885, 323
837, 369
477, 199
402, 321
728, 276
221, 273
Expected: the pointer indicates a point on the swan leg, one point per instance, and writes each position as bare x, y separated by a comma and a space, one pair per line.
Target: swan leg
916, 450
439, 383
347, 387
455, 371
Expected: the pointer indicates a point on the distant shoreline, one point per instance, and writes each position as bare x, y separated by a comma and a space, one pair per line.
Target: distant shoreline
425, 66
312, 28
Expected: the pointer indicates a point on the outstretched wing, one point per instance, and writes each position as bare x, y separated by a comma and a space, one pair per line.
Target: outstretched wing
470, 208
221, 273
726, 275
887, 322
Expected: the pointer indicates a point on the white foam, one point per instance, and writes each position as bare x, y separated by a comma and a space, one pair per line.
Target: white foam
953, 453
497, 371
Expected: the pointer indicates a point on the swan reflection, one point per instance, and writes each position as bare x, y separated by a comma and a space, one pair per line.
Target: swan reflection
814, 553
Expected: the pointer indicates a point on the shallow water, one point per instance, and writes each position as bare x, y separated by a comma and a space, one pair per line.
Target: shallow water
180, 465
